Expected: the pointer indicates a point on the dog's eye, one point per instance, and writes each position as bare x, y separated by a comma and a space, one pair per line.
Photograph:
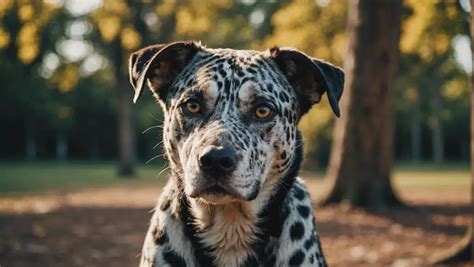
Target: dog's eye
192, 106
263, 111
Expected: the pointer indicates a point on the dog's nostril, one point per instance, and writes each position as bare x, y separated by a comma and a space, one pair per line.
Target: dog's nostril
206, 161
218, 161
226, 163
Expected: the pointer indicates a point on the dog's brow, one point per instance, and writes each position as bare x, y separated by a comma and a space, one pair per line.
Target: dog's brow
247, 91
211, 90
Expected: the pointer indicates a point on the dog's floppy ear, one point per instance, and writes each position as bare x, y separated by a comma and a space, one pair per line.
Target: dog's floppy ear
310, 77
159, 64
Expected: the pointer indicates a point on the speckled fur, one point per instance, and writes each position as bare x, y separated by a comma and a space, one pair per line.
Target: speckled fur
268, 218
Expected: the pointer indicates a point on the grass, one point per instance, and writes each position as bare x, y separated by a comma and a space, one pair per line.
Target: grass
27, 177
39, 177
433, 178
421, 175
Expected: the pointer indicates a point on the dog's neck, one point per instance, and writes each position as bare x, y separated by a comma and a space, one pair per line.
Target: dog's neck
230, 229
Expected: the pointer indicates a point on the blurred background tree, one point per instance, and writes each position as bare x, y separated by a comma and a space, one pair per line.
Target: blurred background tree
362, 152
63, 72
433, 93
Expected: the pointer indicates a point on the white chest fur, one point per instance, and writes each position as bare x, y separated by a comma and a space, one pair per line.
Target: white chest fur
229, 229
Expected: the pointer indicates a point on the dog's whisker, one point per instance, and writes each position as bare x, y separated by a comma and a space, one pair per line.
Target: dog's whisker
155, 118
153, 158
152, 127
161, 172
158, 144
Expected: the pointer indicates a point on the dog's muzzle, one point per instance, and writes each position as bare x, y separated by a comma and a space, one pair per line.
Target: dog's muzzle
216, 167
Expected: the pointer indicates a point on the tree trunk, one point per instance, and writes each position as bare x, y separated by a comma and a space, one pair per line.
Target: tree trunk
361, 155
94, 148
437, 127
416, 132
30, 143
61, 146
126, 118
126, 129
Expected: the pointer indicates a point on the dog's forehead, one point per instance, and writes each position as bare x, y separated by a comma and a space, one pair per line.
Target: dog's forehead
245, 72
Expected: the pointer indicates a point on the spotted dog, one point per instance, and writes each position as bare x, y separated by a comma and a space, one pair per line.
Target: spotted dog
230, 135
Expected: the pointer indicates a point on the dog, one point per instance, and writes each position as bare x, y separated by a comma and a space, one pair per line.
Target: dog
230, 136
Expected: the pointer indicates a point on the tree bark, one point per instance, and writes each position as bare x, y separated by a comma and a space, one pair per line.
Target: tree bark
126, 116
416, 132
361, 155
30, 143
61, 146
94, 148
126, 129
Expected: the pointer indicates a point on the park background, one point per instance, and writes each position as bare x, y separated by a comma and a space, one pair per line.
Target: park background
81, 166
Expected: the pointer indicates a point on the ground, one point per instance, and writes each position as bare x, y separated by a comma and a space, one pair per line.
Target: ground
87, 217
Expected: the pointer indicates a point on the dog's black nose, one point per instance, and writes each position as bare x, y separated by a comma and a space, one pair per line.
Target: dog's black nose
218, 161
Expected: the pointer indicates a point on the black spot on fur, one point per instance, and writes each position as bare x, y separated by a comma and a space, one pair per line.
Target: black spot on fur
299, 193
309, 243
297, 258
270, 88
303, 211
252, 71
173, 258
160, 237
227, 84
165, 204
297, 231
320, 254
222, 72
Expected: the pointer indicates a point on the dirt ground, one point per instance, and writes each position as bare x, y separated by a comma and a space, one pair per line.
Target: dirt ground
106, 227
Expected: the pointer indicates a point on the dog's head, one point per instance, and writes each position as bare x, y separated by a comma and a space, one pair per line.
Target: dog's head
231, 115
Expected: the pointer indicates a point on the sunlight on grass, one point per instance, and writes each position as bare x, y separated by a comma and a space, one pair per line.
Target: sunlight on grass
435, 179
423, 175
20, 177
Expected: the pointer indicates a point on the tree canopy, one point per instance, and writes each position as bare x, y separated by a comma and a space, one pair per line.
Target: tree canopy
62, 62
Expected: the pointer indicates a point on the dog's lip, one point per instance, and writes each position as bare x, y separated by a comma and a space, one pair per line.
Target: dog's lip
219, 188
216, 190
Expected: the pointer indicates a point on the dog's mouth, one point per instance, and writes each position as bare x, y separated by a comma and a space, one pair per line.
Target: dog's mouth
217, 193
216, 190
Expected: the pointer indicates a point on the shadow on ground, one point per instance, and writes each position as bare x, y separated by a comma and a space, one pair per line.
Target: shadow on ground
74, 236
105, 236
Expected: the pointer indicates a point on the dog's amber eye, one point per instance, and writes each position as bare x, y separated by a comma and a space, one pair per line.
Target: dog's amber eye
263, 111
193, 106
